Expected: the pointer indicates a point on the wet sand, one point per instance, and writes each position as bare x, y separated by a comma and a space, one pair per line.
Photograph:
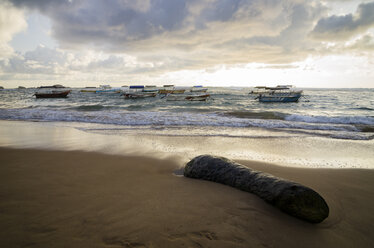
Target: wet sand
83, 199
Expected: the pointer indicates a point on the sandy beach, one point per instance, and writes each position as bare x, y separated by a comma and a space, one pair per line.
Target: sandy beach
86, 199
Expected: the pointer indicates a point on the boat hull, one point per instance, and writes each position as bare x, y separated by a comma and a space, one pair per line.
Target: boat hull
139, 95
108, 91
53, 94
188, 97
88, 91
164, 92
279, 98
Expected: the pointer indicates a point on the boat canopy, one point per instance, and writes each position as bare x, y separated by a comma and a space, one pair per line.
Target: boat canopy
136, 86
56, 86
285, 86
277, 88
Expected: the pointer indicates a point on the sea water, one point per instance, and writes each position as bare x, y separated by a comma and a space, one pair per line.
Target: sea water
335, 120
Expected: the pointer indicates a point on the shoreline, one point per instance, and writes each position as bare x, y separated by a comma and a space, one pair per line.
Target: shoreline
89, 199
290, 151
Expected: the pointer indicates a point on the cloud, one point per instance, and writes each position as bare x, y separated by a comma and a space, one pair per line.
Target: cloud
345, 26
12, 21
365, 43
44, 62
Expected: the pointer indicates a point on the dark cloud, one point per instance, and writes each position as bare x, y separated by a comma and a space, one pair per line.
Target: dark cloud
118, 24
44, 5
344, 26
111, 22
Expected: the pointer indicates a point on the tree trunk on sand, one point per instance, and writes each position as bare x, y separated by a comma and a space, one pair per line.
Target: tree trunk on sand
292, 198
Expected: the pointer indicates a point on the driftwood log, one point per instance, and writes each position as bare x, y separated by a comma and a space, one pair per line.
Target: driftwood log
292, 198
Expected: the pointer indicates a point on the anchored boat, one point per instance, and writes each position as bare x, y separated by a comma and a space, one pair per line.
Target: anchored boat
281, 93
55, 91
138, 91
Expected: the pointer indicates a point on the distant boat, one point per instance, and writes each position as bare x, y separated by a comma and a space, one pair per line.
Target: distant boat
21, 87
55, 91
280, 93
188, 97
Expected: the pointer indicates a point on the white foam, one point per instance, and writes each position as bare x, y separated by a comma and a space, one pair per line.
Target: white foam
143, 118
366, 120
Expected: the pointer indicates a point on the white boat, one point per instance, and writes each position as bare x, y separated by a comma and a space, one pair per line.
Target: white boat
187, 97
137, 92
280, 93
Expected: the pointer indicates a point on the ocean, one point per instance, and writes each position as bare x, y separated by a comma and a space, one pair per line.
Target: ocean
327, 128
331, 113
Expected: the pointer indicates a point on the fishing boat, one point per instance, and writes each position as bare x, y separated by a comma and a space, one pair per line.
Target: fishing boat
55, 91
187, 97
280, 93
138, 92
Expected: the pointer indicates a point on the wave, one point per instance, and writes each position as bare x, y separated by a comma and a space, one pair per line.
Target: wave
96, 107
364, 120
168, 119
364, 108
257, 115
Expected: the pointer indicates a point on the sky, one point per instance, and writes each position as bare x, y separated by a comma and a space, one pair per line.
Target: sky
242, 43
